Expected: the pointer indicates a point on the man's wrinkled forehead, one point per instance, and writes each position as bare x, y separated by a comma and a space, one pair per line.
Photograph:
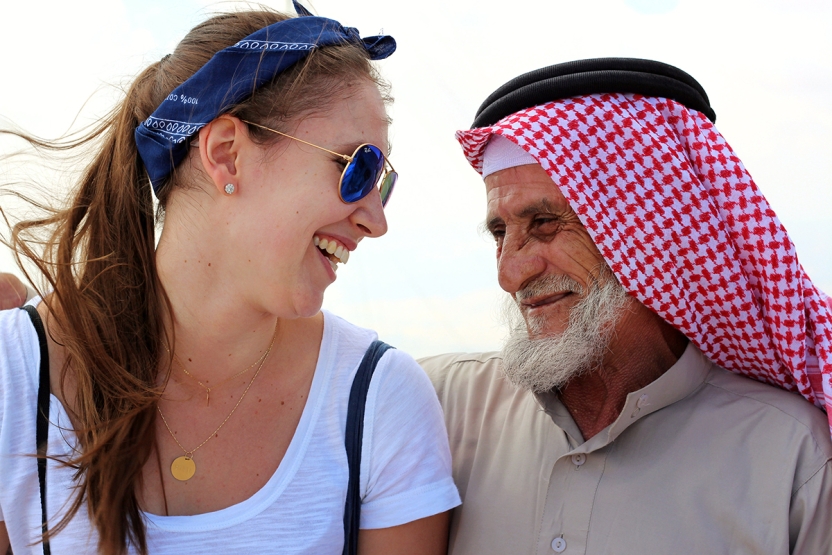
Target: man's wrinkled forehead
522, 193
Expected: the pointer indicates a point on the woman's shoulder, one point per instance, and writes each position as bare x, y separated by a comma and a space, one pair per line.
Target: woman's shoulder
341, 331
352, 341
344, 343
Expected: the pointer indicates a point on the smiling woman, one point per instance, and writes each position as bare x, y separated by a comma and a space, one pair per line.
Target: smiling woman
200, 396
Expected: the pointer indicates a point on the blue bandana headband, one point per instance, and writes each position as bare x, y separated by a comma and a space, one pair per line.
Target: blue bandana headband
231, 76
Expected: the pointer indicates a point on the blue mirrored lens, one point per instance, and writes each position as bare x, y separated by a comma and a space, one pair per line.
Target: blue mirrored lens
361, 174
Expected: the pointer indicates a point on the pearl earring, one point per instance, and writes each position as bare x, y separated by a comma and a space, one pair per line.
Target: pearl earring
229, 189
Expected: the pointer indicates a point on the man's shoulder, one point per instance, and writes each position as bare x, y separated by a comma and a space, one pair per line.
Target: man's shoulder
446, 361
764, 397
478, 399
468, 382
461, 366
775, 413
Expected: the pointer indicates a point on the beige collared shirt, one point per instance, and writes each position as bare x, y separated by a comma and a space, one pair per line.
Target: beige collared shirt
701, 461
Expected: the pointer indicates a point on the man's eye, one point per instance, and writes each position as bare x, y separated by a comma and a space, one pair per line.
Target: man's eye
545, 223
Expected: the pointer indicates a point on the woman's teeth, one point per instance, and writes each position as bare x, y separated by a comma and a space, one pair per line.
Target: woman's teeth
335, 251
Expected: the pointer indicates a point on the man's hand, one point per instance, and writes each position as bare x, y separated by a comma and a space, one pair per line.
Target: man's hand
12, 291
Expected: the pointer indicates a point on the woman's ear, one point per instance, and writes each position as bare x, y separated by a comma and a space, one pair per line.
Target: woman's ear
220, 143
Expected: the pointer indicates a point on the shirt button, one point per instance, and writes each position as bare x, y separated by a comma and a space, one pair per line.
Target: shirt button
578, 459
559, 545
642, 401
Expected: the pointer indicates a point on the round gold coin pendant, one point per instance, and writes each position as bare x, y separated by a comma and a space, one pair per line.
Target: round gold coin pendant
183, 468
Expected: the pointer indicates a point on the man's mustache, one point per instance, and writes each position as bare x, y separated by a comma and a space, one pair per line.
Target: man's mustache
548, 285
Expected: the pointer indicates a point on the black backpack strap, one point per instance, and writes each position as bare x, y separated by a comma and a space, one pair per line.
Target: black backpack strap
42, 427
353, 442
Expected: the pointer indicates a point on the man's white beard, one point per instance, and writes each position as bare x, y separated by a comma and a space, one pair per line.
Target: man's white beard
544, 364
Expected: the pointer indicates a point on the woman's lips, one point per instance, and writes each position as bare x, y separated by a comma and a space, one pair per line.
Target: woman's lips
335, 249
328, 262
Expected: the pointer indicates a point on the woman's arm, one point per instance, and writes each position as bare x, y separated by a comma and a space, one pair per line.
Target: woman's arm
406, 471
426, 536
12, 295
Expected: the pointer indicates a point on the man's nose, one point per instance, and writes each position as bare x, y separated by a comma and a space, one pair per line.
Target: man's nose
517, 264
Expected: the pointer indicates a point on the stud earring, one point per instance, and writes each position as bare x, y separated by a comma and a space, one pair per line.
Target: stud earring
230, 188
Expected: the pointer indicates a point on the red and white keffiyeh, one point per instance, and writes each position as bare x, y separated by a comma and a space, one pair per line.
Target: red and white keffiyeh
685, 229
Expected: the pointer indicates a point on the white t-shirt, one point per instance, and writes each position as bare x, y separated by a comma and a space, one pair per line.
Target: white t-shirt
405, 464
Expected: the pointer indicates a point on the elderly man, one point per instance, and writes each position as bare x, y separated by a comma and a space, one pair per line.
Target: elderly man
644, 262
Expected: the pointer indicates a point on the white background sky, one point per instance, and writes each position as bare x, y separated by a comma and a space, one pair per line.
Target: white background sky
429, 285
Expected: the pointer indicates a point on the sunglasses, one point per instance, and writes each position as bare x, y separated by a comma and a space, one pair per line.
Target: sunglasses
365, 169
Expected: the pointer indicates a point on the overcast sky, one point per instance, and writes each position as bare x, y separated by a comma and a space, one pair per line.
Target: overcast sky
429, 285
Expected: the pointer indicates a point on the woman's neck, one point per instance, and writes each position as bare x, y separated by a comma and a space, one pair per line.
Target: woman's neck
215, 329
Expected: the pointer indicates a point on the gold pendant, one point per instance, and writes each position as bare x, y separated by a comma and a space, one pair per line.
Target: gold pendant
183, 468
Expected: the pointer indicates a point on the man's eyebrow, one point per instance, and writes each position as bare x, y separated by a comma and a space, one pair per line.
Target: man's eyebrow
491, 223
543, 205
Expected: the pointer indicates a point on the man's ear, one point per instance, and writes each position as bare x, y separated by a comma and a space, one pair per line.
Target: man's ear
220, 143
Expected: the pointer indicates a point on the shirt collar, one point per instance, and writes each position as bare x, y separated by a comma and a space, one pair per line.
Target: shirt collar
680, 380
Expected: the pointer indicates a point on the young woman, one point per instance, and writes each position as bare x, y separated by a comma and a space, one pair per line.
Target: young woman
199, 394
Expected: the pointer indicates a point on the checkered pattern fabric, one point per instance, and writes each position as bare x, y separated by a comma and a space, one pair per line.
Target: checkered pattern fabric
685, 229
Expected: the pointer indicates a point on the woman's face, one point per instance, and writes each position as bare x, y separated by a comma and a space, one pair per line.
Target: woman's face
288, 205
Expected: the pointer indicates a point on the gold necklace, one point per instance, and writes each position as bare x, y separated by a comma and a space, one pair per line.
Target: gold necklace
205, 387
183, 467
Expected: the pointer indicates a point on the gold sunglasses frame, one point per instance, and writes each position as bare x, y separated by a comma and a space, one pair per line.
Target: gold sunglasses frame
339, 155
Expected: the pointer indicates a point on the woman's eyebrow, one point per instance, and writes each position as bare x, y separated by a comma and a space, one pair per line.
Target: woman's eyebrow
349, 148
346, 149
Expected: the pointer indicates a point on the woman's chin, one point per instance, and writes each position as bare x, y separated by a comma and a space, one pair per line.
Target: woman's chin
308, 306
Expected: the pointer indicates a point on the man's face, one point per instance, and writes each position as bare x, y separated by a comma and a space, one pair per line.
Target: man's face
539, 240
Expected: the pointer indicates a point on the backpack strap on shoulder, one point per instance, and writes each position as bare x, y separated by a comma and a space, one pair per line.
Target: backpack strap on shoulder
42, 425
354, 440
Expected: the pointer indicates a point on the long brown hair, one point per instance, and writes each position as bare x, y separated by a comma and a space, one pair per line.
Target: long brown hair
98, 256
